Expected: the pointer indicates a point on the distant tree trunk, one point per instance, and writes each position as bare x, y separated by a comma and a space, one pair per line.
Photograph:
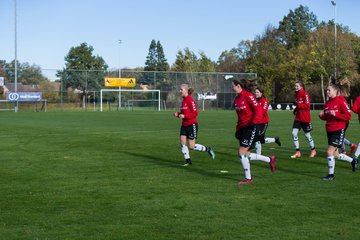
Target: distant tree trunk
273, 91
322, 87
84, 101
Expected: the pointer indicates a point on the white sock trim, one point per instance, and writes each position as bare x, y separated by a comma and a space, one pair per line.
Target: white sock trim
259, 157
246, 165
269, 140
310, 140
185, 151
331, 164
200, 148
345, 158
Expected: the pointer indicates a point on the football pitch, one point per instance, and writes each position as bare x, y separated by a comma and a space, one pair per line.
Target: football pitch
119, 175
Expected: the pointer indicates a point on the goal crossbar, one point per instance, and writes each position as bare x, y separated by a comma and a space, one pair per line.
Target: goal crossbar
127, 90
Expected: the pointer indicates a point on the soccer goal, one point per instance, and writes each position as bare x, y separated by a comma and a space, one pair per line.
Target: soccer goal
131, 98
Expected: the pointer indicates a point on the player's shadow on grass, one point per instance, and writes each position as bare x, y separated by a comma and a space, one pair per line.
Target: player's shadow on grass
322, 161
280, 167
297, 169
319, 160
166, 162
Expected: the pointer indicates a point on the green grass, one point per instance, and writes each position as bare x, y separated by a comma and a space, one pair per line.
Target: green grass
118, 175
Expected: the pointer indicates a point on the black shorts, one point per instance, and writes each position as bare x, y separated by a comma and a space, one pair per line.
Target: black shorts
306, 127
336, 138
189, 131
261, 130
246, 136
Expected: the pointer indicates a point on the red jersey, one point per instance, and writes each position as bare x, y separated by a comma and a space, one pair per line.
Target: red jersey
247, 109
356, 107
190, 111
302, 106
342, 114
264, 105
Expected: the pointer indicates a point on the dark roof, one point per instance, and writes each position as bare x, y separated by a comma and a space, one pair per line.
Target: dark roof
22, 88
29, 88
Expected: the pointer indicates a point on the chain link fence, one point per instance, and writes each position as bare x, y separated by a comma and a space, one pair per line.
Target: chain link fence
211, 90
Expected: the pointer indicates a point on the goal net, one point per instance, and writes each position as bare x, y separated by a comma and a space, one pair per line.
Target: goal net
130, 99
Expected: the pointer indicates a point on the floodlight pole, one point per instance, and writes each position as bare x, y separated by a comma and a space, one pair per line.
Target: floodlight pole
119, 41
15, 44
333, 2
61, 93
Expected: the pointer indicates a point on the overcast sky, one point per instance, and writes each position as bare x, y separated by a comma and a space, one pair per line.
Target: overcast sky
47, 29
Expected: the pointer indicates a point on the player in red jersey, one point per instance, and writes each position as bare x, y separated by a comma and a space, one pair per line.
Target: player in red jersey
249, 114
189, 127
356, 109
302, 119
347, 142
336, 113
262, 127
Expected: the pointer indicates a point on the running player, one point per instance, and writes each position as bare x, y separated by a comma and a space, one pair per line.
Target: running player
356, 109
302, 120
347, 142
336, 113
189, 127
248, 115
262, 127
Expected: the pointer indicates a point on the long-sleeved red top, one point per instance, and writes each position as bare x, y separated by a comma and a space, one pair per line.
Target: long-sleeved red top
247, 109
189, 109
302, 99
356, 107
342, 111
264, 105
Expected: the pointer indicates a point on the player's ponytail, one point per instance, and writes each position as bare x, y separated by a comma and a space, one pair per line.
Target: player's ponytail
190, 91
248, 85
342, 85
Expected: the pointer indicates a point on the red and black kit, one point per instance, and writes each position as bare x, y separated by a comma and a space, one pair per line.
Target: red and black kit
262, 126
302, 99
189, 126
335, 125
249, 115
356, 107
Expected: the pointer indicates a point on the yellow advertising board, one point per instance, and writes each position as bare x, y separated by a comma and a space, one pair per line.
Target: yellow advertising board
120, 82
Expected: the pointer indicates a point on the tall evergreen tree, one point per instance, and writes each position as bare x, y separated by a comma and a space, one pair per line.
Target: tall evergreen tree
162, 64
151, 59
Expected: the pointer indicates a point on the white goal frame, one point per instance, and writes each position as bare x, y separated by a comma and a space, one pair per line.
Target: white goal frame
127, 90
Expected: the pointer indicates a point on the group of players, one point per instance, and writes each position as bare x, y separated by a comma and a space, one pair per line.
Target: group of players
251, 107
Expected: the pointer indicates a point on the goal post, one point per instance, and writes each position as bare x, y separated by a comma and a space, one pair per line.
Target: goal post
158, 100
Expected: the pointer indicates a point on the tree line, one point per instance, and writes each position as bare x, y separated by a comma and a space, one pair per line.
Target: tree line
298, 48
